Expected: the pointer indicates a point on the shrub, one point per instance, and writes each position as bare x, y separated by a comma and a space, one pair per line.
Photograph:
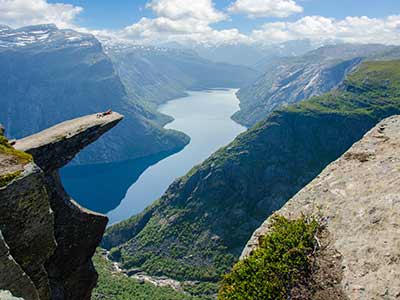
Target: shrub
281, 262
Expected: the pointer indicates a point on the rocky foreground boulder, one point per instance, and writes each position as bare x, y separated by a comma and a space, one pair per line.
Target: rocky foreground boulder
358, 199
47, 240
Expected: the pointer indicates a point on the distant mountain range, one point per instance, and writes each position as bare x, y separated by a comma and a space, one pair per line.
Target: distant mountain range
250, 55
156, 74
51, 75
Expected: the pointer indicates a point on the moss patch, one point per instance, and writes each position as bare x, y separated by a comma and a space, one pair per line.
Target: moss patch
6, 148
5, 179
12, 158
280, 264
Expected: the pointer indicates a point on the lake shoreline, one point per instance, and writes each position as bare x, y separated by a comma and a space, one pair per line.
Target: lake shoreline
124, 189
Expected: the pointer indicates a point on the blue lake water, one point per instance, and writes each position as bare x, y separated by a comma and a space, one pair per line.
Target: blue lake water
124, 189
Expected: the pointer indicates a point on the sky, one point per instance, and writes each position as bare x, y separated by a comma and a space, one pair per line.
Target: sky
216, 21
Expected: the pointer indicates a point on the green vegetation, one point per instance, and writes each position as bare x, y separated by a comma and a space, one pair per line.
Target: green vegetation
175, 264
20, 157
282, 262
117, 286
5, 179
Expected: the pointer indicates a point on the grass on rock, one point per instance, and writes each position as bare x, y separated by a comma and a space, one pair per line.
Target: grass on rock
272, 271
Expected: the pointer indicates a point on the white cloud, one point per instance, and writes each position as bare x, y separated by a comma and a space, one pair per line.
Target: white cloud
180, 9
188, 30
265, 8
179, 22
175, 21
317, 28
18, 13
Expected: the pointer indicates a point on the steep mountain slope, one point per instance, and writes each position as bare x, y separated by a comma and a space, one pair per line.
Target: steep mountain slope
200, 225
158, 74
50, 75
356, 201
289, 80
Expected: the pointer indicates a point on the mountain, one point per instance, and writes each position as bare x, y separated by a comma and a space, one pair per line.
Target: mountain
292, 79
250, 55
352, 200
199, 227
155, 75
50, 75
241, 54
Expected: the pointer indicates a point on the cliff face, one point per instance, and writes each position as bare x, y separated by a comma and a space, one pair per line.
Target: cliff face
290, 83
47, 239
200, 225
358, 199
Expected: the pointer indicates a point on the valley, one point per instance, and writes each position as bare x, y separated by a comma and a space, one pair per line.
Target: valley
198, 228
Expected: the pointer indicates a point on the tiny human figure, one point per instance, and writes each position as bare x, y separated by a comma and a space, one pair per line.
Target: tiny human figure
103, 114
108, 112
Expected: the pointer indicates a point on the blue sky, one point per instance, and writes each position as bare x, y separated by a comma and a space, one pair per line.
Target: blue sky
216, 21
100, 14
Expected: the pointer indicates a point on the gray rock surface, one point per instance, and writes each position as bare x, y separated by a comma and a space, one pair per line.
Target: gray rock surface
26, 222
14, 279
358, 196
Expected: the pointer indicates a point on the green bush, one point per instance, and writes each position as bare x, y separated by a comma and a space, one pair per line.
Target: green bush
281, 262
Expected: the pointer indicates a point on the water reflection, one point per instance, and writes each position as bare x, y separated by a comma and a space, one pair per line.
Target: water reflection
102, 187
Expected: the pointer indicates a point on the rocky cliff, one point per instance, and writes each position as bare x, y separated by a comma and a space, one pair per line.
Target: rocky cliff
47, 240
358, 199
200, 225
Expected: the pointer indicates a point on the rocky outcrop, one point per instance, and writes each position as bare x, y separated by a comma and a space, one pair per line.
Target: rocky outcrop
48, 238
54, 147
358, 198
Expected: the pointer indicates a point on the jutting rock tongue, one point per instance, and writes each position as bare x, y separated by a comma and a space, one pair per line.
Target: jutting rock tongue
77, 231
